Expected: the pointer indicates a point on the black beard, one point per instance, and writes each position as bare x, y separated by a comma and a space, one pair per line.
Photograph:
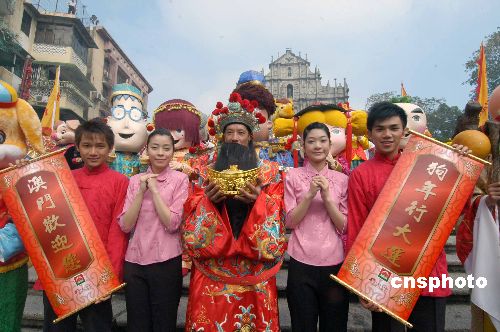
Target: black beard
236, 154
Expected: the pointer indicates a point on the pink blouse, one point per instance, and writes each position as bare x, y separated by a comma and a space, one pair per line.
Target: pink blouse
150, 241
315, 240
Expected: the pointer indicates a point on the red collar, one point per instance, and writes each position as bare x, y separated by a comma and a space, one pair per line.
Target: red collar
98, 170
384, 159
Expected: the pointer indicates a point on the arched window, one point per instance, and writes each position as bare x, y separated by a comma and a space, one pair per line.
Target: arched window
289, 71
289, 91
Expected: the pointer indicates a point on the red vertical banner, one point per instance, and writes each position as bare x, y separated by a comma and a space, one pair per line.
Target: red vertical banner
58, 232
409, 224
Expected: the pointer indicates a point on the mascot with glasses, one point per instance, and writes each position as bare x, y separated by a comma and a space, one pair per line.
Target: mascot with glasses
129, 125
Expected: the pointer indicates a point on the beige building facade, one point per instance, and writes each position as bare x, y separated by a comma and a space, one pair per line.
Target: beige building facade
290, 76
109, 66
18, 45
84, 54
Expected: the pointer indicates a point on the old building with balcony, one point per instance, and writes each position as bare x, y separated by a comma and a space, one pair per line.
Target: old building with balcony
91, 61
62, 40
17, 33
110, 65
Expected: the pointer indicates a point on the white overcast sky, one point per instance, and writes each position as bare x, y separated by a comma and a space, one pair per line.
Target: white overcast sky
196, 49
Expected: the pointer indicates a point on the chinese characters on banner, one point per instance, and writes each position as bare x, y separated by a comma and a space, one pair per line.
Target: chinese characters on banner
58, 233
60, 238
415, 214
409, 224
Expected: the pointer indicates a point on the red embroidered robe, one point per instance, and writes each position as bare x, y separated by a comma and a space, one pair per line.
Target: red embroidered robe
233, 283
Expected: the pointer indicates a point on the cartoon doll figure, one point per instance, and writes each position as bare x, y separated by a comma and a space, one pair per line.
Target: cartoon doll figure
64, 137
183, 120
417, 121
128, 123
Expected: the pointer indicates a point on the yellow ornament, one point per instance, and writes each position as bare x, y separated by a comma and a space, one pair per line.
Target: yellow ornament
475, 140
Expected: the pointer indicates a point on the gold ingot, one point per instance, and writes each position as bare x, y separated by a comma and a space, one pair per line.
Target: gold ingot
231, 180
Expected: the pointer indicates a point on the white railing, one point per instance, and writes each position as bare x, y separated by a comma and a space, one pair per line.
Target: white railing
44, 87
79, 62
50, 49
61, 50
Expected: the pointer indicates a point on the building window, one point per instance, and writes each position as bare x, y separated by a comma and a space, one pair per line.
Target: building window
106, 76
289, 91
121, 76
106, 92
26, 23
18, 66
51, 72
289, 71
54, 34
44, 34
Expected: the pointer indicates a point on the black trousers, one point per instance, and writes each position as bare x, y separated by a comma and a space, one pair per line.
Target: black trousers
153, 293
311, 293
428, 315
95, 318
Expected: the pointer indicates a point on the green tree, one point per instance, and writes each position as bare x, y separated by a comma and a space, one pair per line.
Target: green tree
378, 97
492, 54
442, 121
401, 99
429, 105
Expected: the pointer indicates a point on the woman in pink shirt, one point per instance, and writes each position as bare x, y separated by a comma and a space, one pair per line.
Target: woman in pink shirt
316, 207
152, 215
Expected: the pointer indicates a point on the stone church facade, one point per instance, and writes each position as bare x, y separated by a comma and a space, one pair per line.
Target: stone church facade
290, 76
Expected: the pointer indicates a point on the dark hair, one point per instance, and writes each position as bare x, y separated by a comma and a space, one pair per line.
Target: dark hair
384, 110
258, 92
95, 126
161, 132
315, 125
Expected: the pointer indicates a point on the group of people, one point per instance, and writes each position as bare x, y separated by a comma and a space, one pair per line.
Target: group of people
173, 218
